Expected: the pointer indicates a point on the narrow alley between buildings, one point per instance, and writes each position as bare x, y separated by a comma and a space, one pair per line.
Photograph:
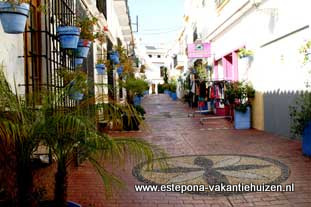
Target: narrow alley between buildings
239, 156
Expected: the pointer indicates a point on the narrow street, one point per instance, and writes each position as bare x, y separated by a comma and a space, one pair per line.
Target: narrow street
238, 156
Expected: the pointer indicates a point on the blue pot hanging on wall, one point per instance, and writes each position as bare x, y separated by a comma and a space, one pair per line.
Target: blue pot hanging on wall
68, 36
13, 17
306, 140
100, 68
78, 61
114, 57
83, 48
120, 70
75, 94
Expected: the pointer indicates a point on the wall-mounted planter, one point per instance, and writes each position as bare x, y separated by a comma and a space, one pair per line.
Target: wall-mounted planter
83, 48
68, 36
78, 61
13, 17
100, 68
114, 57
74, 93
120, 70
306, 140
242, 120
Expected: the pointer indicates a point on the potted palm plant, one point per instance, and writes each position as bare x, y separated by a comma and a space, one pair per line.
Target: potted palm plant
300, 114
13, 15
239, 95
87, 35
72, 134
18, 124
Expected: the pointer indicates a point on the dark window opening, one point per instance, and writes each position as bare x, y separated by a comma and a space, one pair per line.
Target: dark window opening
150, 56
102, 7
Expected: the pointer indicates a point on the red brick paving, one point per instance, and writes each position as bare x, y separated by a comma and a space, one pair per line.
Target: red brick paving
180, 135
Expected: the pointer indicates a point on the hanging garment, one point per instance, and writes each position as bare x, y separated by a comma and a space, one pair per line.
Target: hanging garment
203, 89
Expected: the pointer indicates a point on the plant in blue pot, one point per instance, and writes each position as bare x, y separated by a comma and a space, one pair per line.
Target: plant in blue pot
300, 114
75, 83
120, 70
239, 95
100, 67
114, 57
68, 36
13, 15
87, 35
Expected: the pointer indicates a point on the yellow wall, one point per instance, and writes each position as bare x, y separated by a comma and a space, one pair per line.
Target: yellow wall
258, 112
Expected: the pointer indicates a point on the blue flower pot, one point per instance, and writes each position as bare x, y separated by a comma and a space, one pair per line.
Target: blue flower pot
78, 61
306, 140
242, 120
76, 95
137, 100
100, 68
13, 17
174, 96
166, 92
68, 36
83, 48
114, 57
120, 70
73, 204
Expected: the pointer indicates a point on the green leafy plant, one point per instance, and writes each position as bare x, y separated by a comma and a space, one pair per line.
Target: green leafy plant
305, 50
245, 53
101, 37
239, 94
135, 86
87, 27
173, 85
300, 114
18, 124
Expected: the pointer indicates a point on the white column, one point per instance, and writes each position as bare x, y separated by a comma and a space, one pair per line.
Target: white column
156, 88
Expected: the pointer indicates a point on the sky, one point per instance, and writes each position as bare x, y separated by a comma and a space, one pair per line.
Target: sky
160, 21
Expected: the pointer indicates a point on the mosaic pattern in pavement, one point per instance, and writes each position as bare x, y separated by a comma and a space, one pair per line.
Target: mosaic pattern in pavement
212, 170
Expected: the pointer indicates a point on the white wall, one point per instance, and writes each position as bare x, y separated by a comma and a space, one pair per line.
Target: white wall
278, 65
11, 47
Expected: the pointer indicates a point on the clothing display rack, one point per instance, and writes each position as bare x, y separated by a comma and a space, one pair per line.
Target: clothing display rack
210, 96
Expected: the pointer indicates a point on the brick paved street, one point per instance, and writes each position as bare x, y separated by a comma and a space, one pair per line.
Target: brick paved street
169, 126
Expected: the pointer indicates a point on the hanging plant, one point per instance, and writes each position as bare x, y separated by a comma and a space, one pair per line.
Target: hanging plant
306, 51
245, 53
13, 15
101, 37
87, 28
100, 66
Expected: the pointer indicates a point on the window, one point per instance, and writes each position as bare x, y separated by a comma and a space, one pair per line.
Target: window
150, 56
102, 7
159, 56
42, 53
